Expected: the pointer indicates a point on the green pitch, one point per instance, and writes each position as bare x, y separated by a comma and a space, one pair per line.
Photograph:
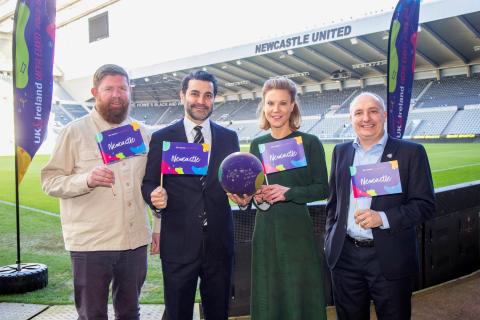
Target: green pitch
450, 163
42, 239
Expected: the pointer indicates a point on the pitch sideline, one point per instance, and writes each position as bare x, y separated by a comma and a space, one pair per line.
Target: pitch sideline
31, 209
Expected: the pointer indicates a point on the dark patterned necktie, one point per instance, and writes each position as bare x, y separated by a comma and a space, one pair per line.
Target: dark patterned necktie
199, 139
203, 179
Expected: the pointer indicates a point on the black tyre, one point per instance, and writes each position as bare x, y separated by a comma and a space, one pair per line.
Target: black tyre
32, 276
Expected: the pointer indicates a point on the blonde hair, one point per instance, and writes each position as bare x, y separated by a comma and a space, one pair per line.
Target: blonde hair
280, 83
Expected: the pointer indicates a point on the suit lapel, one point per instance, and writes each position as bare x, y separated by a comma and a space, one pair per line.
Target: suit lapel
389, 154
348, 162
213, 154
178, 131
344, 155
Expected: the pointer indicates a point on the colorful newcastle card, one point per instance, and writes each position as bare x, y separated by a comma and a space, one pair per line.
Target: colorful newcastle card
185, 158
375, 179
120, 143
283, 155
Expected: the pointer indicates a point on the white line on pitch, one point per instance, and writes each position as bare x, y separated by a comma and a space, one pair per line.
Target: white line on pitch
457, 167
31, 209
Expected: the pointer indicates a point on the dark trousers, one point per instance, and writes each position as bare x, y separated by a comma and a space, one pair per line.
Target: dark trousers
93, 271
180, 284
357, 279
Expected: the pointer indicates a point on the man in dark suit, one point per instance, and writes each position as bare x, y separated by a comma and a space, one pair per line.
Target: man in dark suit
196, 224
371, 248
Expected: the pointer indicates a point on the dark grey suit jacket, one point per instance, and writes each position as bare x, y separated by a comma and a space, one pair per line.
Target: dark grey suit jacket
396, 247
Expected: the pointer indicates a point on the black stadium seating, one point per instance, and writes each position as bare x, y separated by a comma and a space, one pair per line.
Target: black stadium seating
438, 107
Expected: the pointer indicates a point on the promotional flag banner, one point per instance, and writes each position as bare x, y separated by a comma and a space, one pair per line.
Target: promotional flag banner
185, 158
283, 155
401, 64
375, 179
33, 51
120, 143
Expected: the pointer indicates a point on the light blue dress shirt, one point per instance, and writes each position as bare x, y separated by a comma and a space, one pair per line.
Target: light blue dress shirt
373, 155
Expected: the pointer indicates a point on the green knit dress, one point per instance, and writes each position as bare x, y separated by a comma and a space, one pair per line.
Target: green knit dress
287, 279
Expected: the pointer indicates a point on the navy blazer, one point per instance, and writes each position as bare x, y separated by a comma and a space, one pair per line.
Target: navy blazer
181, 231
396, 247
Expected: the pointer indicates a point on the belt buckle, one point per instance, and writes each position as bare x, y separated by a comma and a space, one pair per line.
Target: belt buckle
357, 243
364, 243
361, 243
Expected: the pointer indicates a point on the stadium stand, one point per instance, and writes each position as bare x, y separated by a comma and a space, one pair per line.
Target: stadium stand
147, 115
331, 126
449, 91
328, 74
309, 122
380, 89
227, 109
418, 87
246, 130
172, 114
318, 103
465, 121
246, 110
448, 106
325, 114
217, 113
432, 120
75, 110
61, 117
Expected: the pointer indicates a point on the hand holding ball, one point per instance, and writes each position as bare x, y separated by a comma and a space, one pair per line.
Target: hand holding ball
241, 173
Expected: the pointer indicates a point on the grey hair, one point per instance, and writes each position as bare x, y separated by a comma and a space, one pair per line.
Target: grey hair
379, 99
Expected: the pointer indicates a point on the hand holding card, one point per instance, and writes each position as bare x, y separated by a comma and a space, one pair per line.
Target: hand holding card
115, 145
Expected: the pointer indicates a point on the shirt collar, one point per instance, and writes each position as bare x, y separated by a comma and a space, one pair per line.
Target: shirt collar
382, 142
189, 125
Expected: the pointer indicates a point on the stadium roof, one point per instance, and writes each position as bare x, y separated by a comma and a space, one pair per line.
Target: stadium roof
449, 37
68, 11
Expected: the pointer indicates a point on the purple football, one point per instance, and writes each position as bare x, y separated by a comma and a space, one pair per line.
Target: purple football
241, 173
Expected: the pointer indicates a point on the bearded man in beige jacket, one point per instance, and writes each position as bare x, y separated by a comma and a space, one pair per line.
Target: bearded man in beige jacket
106, 232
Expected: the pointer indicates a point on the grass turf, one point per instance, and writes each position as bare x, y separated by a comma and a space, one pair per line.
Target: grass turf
41, 238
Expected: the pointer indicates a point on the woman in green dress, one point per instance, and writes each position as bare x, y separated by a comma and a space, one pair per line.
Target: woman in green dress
287, 272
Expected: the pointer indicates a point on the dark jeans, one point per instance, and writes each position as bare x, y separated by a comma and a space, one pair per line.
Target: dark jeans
357, 279
93, 271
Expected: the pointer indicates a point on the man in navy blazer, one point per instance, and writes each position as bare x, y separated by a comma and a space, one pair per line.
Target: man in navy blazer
196, 219
371, 248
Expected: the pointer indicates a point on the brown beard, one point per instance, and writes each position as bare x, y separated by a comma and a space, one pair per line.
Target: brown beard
115, 116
